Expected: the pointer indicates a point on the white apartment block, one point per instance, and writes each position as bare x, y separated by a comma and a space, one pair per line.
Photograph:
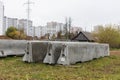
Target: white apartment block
1, 18
43, 30
51, 28
8, 22
19, 24
36, 32
54, 27
23, 25
39, 31
31, 31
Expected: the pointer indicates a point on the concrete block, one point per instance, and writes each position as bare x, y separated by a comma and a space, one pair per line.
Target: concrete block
35, 51
54, 51
13, 47
2, 54
74, 52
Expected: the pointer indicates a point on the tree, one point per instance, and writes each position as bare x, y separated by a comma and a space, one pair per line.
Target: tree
53, 37
108, 34
11, 32
59, 35
14, 33
21, 35
67, 27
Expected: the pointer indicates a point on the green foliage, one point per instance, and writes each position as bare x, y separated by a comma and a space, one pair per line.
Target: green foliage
22, 35
14, 33
108, 34
11, 32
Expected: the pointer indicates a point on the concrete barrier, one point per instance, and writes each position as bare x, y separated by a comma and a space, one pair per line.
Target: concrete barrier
54, 51
65, 53
35, 51
2, 54
12, 47
74, 52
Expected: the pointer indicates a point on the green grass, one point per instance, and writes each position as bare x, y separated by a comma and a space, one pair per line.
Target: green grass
113, 49
108, 68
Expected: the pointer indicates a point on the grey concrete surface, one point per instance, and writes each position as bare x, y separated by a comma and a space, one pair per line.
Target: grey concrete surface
35, 51
74, 52
65, 53
54, 51
2, 54
12, 47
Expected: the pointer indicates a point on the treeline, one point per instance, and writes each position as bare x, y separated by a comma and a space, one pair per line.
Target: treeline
108, 34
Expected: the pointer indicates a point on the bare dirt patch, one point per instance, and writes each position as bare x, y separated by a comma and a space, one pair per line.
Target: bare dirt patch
115, 52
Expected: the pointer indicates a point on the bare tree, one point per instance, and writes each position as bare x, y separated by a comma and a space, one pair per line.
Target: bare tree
69, 25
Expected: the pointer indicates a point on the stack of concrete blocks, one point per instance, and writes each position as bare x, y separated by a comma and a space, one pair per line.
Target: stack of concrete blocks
35, 51
12, 47
65, 53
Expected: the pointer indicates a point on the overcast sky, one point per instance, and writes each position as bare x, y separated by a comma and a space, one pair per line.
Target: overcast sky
84, 13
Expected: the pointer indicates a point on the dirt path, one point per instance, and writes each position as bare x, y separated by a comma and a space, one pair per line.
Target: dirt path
115, 52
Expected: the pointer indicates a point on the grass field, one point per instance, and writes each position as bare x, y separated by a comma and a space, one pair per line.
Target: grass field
108, 68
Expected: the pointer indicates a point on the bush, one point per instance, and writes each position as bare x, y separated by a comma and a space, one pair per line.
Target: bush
14, 33
108, 34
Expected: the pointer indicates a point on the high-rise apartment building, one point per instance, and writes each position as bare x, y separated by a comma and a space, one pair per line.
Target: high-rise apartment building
40, 31
54, 27
1, 18
8, 22
19, 24
23, 25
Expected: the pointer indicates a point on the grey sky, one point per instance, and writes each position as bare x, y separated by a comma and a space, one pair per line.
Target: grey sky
84, 13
